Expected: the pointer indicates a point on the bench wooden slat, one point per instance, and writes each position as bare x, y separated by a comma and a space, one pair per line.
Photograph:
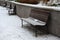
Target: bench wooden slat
40, 14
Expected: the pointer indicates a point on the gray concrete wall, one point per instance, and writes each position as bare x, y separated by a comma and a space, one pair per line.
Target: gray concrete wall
23, 11
54, 26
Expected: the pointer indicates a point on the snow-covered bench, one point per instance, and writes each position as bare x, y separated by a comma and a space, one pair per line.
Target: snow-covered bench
38, 19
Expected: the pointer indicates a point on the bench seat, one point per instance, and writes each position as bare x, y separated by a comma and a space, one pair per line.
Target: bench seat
34, 21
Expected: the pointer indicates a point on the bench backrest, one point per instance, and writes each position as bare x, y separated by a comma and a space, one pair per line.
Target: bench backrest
40, 14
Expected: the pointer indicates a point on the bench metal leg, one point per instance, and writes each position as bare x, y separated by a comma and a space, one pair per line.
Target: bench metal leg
22, 22
36, 32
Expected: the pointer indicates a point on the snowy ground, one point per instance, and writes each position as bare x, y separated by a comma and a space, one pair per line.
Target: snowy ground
10, 29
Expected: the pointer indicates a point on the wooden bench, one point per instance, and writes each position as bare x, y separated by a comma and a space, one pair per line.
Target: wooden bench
38, 19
